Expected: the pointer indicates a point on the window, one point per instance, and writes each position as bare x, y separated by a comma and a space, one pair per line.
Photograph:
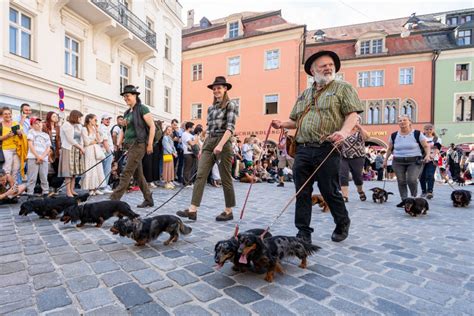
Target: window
124, 76
452, 21
309, 81
71, 56
370, 78
237, 105
20, 34
365, 47
464, 37
196, 111
272, 59
377, 46
406, 76
150, 24
462, 72
409, 108
390, 112
167, 100
168, 47
271, 104
197, 72
234, 29
234, 66
465, 109
148, 91
373, 114
340, 76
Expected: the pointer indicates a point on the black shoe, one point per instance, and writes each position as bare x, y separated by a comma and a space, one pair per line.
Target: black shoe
224, 217
401, 204
429, 196
188, 214
146, 204
305, 237
281, 184
341, 232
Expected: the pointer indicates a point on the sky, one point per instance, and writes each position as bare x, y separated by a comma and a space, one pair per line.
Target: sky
318, 14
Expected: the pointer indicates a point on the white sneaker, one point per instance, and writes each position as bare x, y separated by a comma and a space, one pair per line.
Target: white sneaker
151, 185
190, 186
107, 190
98, 192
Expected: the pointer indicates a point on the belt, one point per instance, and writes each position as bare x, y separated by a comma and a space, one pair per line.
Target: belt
214, 134
314, 145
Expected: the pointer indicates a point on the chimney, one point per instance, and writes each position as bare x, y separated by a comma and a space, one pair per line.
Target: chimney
190, 18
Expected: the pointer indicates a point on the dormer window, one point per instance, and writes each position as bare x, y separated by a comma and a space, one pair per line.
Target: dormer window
464, 37
233, 29
319, 35
204, 23
374, 46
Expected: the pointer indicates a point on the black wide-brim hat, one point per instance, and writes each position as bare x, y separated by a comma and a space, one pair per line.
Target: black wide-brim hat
312, 58
130, 89
220, 81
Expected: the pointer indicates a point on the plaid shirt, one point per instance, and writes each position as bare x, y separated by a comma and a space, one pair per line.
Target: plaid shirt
219, 120
335, 102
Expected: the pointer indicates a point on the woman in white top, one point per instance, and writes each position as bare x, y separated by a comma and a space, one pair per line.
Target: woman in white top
92, 155
407, 156
71, 161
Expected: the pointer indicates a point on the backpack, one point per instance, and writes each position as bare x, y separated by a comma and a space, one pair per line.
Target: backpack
417, 134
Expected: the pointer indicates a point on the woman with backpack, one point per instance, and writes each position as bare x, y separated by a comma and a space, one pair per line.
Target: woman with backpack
138, 140
410, 150
221, 119
427, 176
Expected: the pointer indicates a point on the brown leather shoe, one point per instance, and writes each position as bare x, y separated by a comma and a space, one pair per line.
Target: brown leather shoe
224, 217
188, 214
146, 204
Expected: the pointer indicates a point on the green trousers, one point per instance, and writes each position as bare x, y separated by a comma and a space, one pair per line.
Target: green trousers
225, 168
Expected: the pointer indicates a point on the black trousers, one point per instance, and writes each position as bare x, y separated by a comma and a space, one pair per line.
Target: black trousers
189, 170
306, 161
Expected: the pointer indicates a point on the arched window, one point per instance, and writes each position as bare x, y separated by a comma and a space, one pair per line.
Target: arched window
409, 108
464, 108
374, 112
390, 112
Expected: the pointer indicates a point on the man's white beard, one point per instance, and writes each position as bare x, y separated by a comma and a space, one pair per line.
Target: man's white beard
323, 80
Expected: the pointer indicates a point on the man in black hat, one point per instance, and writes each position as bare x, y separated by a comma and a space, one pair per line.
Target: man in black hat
138, 140
325, 115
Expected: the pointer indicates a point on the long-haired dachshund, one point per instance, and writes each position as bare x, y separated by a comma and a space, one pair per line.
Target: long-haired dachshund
268, 253
380, 195
144, 230
416, 206
229, 249
50, 206
318, 199
461, 198
97, 212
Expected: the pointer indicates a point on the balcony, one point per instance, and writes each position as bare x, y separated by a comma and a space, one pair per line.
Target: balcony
128, 19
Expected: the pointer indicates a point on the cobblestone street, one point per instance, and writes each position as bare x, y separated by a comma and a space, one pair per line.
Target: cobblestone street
390, 264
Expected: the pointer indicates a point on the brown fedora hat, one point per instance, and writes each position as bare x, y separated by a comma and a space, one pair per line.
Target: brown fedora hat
312, 58
220, 81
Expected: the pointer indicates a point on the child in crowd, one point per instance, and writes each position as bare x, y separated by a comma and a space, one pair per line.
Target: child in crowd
39, 146
9, 189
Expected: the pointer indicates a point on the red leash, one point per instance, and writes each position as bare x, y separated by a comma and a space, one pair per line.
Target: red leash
236, 232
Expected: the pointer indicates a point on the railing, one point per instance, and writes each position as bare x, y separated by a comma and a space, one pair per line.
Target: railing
127, 18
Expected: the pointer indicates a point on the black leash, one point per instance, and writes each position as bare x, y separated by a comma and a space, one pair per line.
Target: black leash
181, 189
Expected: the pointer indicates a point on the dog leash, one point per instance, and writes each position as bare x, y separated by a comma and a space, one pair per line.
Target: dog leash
242, 211
298, 192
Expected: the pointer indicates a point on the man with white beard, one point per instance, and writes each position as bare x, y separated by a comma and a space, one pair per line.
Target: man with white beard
325, 115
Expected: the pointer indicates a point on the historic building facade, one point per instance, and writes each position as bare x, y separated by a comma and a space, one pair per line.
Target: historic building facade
258, 53
91, 49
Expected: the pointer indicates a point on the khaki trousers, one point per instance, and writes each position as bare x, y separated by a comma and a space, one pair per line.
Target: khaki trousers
205, 165
134, 168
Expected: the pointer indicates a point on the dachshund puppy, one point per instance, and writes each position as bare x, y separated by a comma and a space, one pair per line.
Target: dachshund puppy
461, 198
318, 199
147, 229
416, 206
50, 206
380, 195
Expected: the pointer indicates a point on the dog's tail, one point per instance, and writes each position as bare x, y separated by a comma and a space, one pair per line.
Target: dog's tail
310, 249
81, 197
184, 229
388, 193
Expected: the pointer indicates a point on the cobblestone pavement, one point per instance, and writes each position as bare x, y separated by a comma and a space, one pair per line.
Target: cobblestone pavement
390, 264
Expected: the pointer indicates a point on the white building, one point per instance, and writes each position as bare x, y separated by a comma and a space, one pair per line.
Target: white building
91, 48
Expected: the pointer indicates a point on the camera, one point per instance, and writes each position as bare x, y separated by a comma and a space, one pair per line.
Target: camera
15, 129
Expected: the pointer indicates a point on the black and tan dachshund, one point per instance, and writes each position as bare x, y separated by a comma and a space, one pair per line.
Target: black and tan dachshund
228, 250
416, 206
50, 207
148, 229
268, 253
461, 198
380, 195
97, 212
